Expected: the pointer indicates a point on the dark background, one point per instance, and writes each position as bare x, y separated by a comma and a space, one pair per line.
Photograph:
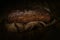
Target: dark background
54, 5
25, 4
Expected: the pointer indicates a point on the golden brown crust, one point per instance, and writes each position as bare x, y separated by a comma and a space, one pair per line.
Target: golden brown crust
30, 16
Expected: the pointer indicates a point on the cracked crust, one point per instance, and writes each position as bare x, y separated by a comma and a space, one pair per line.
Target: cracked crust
29, 16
